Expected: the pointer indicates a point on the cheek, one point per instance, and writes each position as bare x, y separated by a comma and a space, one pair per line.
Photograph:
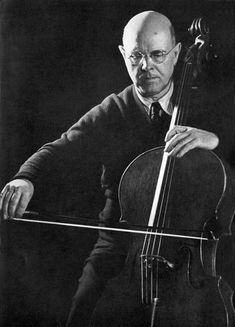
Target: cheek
132, 71
166, 71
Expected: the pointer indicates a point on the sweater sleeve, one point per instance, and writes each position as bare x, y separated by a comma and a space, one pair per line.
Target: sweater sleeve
87, 136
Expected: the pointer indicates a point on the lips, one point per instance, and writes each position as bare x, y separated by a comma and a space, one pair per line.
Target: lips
148, 79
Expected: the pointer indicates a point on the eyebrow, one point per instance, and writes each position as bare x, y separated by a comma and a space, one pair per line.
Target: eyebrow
156, 50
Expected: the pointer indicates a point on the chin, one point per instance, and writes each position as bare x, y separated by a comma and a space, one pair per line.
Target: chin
149, 92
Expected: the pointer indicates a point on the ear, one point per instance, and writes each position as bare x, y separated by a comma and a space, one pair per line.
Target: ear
177, 52
122, 50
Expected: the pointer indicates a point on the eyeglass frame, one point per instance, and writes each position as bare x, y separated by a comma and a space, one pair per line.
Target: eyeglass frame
164, 55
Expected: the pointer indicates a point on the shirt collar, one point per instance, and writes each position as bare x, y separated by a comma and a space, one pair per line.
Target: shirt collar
164, 100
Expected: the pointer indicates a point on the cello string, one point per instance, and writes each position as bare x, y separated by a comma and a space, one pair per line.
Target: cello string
166, 169
169, 176
144, 269
155, 206
173, 123
156, 198
159, 195
161, 207
179, 120
182, 114
169, 181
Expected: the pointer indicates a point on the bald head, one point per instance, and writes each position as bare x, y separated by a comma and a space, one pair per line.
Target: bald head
150, 53
145, 23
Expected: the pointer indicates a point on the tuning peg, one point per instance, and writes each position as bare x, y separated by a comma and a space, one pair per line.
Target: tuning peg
199, 26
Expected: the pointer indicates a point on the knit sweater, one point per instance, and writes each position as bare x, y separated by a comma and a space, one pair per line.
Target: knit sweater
114, 133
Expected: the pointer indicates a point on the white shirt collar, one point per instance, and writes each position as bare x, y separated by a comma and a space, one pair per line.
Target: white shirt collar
164, 100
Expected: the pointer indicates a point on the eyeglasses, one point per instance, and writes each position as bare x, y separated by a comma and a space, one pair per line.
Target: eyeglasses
157, 56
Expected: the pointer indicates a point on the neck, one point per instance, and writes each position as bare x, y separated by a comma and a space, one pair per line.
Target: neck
163, 98
160, 95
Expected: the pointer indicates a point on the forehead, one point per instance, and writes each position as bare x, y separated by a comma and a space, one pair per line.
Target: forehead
148, 41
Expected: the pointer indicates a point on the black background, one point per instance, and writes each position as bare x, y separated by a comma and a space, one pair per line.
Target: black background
59, 59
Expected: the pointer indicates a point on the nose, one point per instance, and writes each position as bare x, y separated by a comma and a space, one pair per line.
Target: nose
146, 63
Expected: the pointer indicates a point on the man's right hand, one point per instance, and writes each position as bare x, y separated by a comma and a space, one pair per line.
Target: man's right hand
15, 197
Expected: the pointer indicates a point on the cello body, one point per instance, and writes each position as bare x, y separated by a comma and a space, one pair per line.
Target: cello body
190, 290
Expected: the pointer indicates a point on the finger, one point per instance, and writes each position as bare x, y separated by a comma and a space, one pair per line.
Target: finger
6, 201
174, 131
2, 196
22, 205
14, 203
1, 200
179, 146
186, 148
175, 140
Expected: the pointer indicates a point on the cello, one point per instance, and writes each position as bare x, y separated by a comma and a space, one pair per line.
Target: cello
190, 199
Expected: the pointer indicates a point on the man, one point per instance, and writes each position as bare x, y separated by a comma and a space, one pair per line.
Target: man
115, 132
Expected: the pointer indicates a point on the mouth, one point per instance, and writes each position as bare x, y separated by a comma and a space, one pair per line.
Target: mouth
148, 79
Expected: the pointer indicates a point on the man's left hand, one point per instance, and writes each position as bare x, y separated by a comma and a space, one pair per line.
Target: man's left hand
181, 139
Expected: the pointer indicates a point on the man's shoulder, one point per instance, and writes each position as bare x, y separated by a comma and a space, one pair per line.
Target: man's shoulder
119, 99
113, 106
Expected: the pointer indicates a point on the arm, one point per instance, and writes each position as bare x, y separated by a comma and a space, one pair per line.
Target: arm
87, 137
66, 150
